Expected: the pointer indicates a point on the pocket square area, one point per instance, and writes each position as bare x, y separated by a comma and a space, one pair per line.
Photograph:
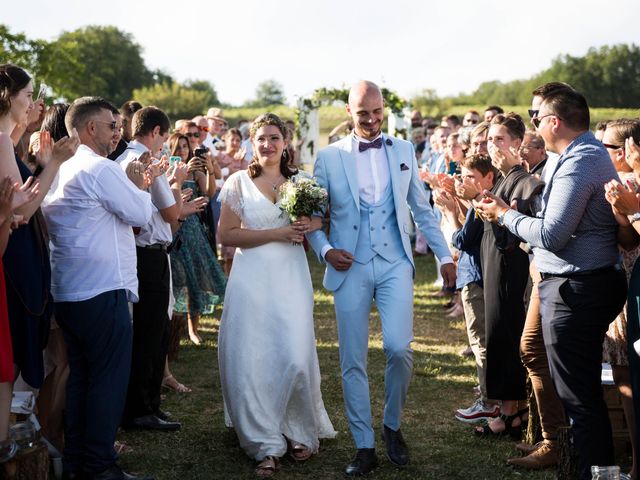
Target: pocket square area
403, 167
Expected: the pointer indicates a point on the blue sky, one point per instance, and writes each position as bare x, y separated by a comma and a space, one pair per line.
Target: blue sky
449, 46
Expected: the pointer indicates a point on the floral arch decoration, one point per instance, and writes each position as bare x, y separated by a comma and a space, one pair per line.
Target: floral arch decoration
308, 122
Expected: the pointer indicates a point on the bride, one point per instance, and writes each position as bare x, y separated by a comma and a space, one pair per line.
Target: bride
269, 368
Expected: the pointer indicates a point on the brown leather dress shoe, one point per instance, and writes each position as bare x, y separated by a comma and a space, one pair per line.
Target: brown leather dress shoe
546, 455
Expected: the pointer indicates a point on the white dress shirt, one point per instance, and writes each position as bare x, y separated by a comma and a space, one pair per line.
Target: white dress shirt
156, 230
372, 167
89, 211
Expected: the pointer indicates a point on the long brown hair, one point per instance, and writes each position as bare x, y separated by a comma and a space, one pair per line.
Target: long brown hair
174, 140
255, 169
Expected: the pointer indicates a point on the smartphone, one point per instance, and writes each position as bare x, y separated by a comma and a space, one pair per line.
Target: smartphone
42, 92
174, 158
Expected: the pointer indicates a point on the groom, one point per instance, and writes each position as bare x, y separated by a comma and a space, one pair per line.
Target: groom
371, 178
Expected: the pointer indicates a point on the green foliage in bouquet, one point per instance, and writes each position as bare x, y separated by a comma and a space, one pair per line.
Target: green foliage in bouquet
301, 196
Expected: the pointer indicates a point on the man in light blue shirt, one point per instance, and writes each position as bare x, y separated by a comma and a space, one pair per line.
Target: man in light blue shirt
583, 289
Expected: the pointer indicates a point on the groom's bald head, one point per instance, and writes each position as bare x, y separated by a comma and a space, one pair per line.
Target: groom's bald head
366, 108
363, 88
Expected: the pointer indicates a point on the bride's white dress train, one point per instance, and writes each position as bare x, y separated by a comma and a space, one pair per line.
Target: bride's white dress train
269, 368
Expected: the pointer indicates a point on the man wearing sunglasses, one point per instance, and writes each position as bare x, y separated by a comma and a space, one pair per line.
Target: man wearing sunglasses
574, 240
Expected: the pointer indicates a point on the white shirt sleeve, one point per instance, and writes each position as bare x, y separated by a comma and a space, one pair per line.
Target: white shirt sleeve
121, 197
161, 194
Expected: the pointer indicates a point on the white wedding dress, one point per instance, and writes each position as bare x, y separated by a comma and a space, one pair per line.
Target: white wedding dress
269, 368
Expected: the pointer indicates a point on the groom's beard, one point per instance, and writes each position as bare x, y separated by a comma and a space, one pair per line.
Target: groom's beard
368, 133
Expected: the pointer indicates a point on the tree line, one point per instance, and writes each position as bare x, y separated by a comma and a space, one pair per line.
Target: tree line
105, 61
608, 76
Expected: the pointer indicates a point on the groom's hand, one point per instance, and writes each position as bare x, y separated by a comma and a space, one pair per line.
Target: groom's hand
448, 271
339, 259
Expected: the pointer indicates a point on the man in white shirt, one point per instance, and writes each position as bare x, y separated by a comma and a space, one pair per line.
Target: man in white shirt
90, 210
150, 128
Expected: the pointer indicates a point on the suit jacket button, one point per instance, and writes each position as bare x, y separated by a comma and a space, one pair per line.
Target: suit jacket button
383, 211
384, 228
372, 229
385, 244
355, 227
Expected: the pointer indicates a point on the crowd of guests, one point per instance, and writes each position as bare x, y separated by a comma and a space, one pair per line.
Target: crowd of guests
111, 214
543, 221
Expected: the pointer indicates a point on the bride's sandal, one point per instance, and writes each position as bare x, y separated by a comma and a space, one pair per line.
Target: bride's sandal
267, 467
299, 452
171, 383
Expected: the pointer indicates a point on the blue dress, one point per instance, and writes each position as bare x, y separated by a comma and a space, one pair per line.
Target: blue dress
198, 279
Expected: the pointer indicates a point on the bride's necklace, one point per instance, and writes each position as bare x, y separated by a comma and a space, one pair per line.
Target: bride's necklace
274, 185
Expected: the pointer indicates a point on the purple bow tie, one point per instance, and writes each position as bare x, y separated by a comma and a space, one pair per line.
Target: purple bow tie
364, 146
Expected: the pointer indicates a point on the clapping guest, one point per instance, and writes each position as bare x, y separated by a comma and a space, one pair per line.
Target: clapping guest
615, 340
89, 213
505, 268
7, 207
150, 128
477, 174
574, 240
26, 260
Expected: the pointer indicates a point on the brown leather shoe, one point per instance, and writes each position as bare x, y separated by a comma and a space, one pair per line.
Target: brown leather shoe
546, 455
527, 448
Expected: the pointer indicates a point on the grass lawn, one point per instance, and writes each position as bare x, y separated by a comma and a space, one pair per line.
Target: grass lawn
441, 447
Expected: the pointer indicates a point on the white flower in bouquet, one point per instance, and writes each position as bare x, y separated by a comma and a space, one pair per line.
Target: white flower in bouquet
301, 196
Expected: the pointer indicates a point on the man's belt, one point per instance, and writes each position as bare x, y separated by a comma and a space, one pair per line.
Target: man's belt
582, 273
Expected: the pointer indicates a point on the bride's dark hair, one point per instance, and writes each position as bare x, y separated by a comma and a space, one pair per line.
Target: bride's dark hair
255, 169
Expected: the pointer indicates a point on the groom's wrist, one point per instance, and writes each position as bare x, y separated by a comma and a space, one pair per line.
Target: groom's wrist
325, 250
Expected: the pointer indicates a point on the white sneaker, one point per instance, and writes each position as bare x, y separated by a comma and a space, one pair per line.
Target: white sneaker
478, 411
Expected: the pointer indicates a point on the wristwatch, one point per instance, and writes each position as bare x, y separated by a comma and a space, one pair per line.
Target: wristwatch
501, 218
635, 217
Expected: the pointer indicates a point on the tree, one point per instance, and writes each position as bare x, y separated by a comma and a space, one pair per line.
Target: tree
176, 100
268, 93
95, 60
206, 87
606, 76
16, 48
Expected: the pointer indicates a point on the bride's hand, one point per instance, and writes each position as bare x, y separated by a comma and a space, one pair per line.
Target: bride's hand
291, 233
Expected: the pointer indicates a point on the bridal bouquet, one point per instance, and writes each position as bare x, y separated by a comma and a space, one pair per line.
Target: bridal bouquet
301, 196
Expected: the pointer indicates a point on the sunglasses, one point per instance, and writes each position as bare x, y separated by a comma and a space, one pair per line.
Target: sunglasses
114, 125
533, 113
192, 134
536, 120
612, 147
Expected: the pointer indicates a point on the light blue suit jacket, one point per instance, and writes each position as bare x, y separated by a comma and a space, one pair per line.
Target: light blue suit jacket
335, 170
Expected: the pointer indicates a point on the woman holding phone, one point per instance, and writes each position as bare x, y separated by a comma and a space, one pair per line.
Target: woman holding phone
198, 280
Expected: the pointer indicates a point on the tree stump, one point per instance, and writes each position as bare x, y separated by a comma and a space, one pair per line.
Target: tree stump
29, 464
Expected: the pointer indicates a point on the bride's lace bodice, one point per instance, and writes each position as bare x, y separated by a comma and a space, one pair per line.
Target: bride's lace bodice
254, 209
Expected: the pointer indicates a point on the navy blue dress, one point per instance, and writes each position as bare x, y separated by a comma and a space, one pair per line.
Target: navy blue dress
28, 277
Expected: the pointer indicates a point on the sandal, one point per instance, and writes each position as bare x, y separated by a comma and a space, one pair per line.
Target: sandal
515, 432
299, 451
171, 383
267, 467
